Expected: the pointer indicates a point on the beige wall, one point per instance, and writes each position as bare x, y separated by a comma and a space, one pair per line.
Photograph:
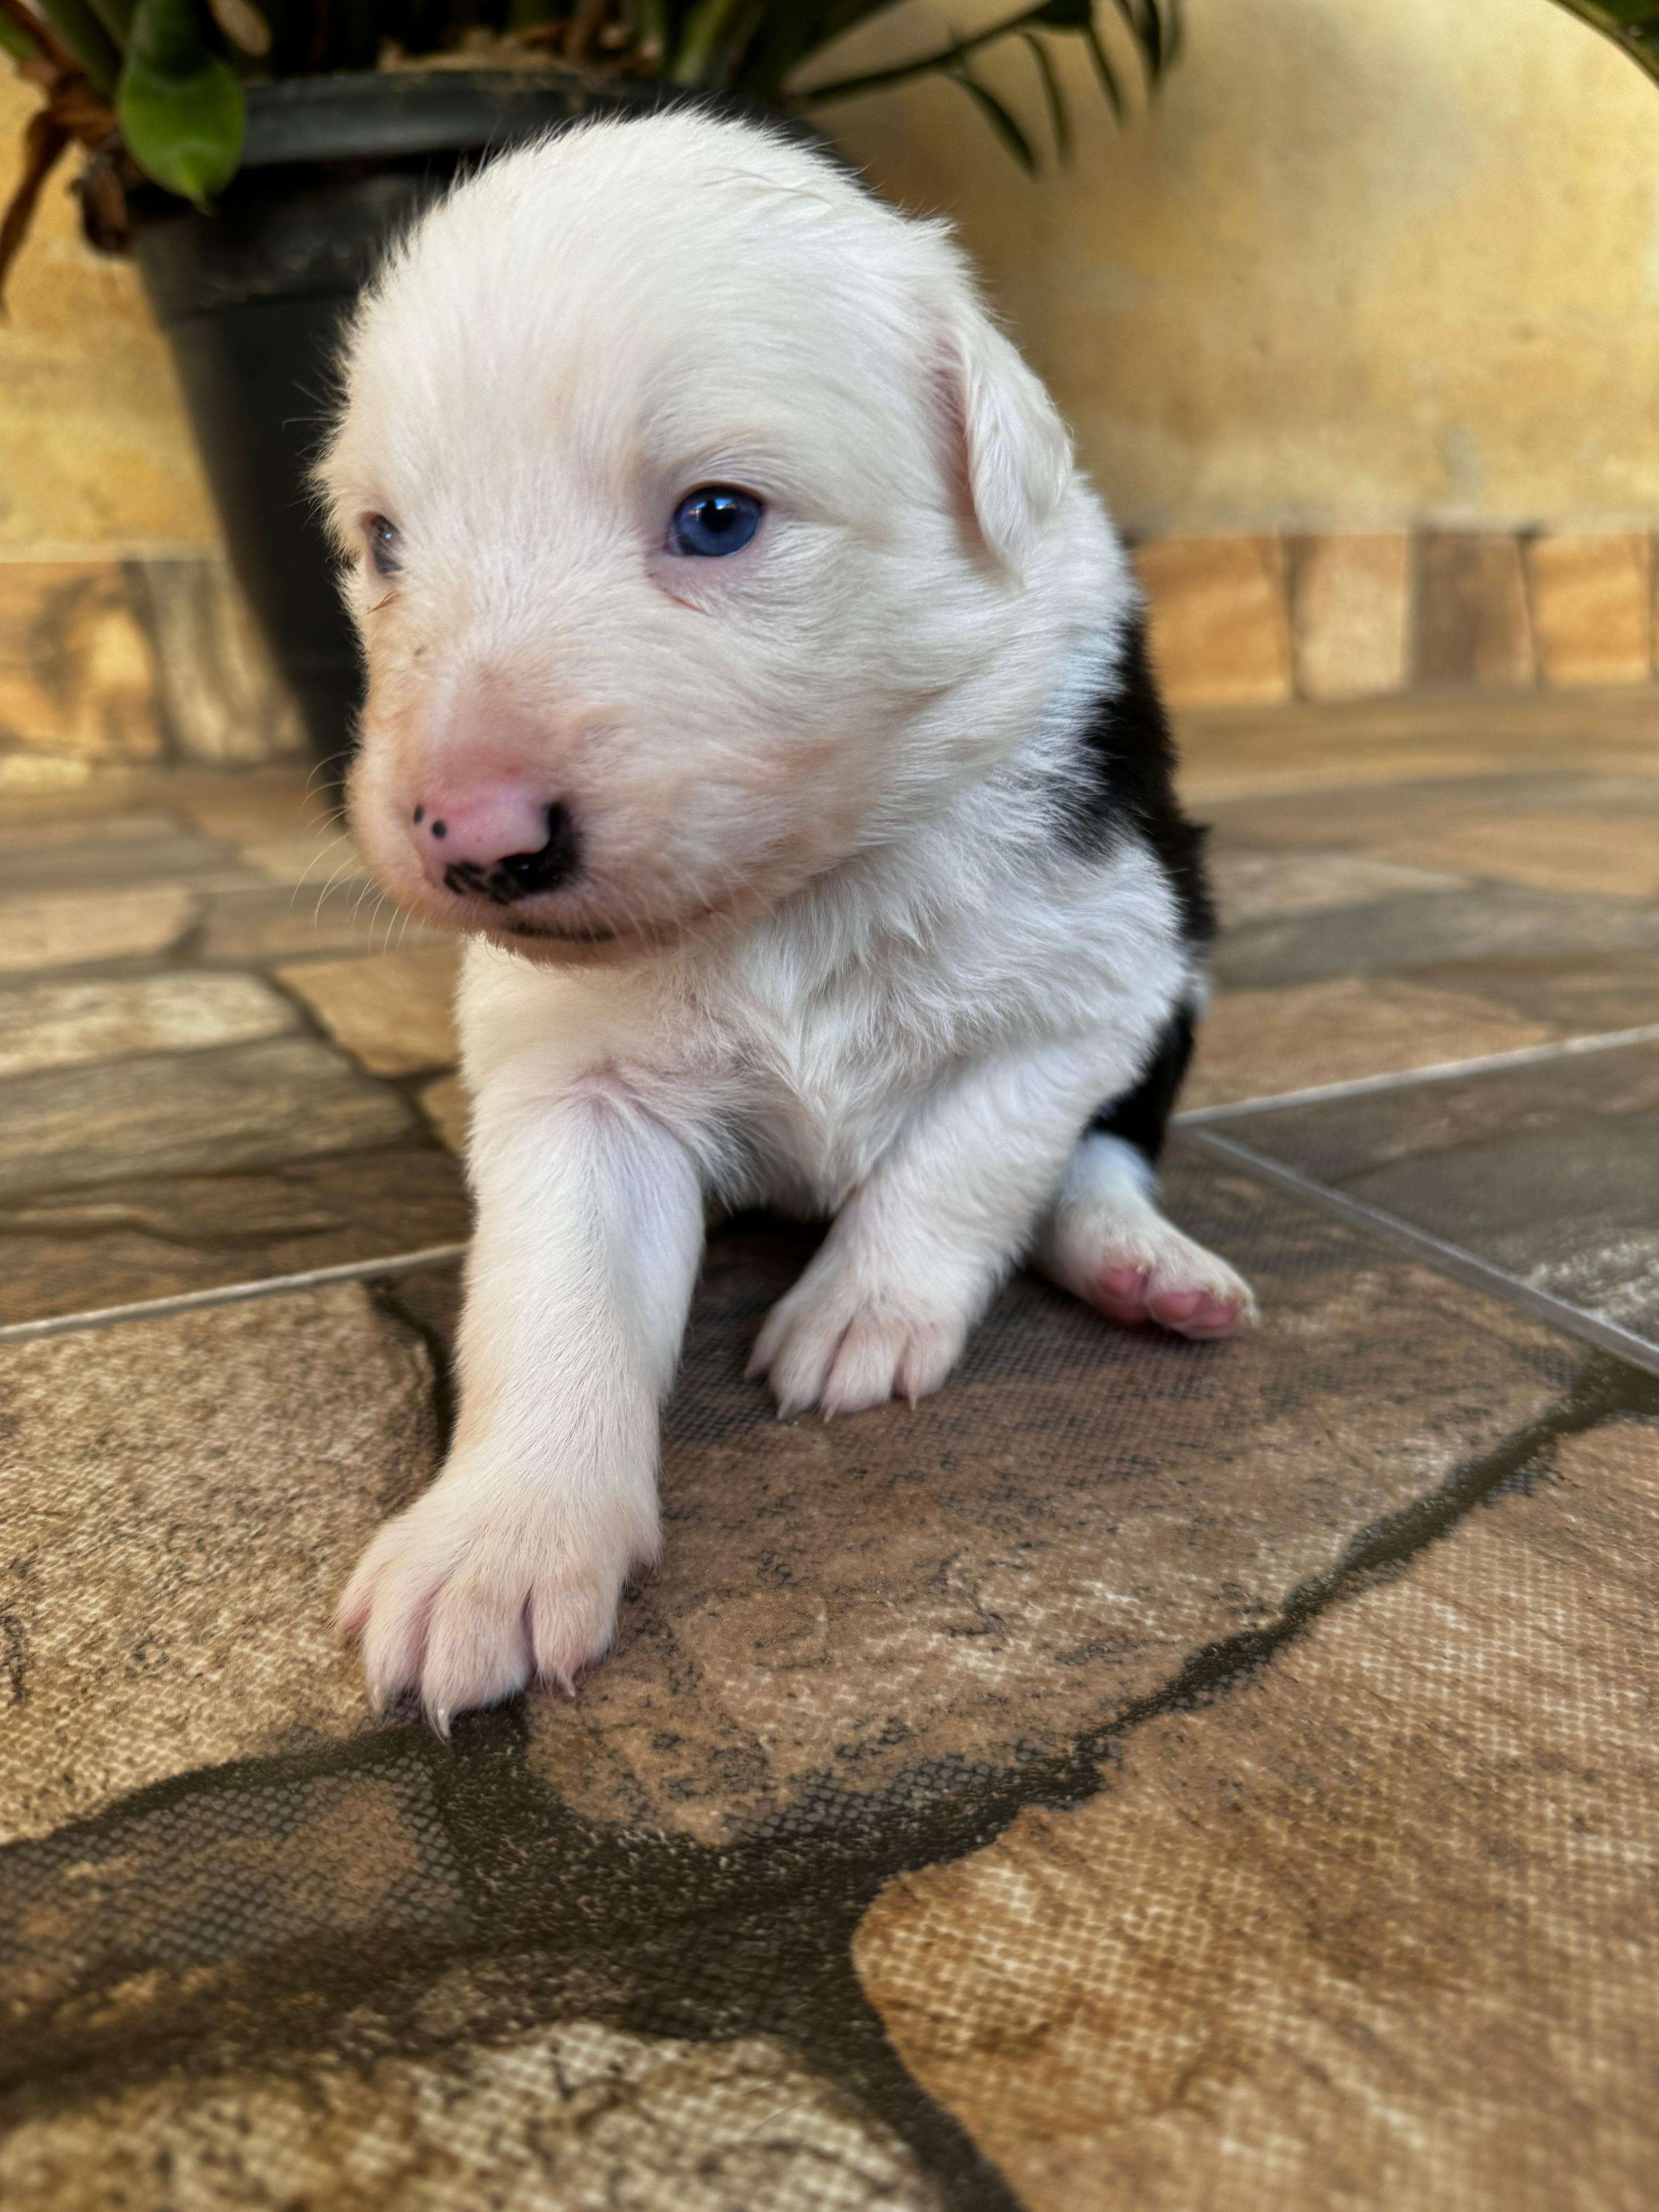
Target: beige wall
1369, 262
93, 450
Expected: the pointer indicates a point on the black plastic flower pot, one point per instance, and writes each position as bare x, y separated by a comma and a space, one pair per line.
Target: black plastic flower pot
253, 297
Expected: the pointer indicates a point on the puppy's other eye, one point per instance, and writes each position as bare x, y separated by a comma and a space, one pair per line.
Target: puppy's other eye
385, 542
712, 520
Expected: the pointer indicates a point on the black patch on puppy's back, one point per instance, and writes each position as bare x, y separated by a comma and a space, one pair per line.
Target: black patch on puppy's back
1128, 783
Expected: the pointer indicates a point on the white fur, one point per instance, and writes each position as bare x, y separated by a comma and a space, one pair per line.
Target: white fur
826, 951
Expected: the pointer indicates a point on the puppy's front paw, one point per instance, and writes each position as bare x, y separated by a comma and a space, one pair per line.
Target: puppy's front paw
484, 1586
844, 1344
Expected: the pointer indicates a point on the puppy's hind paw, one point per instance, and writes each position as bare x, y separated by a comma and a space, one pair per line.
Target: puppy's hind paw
1140, 1269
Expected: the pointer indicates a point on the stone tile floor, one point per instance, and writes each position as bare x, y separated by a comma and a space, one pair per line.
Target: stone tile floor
1148, 1776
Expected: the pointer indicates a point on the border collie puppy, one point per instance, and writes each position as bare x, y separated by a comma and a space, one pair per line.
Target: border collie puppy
757, 685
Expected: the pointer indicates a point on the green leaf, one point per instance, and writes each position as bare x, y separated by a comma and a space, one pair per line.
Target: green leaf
1104, 72
1142, 19
18, 44
1145, 27
116, 16
181, 106
168, 36
711, 29
87, 40
1074, 16
1000, 120
1057, 117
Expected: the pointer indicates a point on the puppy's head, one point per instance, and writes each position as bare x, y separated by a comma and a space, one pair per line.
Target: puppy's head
689, 500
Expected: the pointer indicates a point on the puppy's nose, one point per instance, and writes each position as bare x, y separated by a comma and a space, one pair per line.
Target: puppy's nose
503, 845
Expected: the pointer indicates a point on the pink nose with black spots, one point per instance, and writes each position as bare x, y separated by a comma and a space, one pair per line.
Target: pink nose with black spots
503, 845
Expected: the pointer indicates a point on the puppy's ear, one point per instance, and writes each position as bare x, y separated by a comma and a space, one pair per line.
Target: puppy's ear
1011, 452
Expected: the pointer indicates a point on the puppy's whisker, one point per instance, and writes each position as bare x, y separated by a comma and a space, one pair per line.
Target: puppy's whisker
316, 861
319, 771
341, 837
343, 870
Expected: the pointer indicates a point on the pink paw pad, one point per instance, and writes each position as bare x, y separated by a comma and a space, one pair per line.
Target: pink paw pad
1126, 1294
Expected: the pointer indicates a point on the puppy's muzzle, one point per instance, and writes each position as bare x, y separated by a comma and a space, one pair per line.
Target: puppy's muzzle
521, 875
462, 847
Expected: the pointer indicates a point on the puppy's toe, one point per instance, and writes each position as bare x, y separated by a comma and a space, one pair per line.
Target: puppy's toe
846, 1353
386, 1606
800, 1358
571, 1624
1202, 1313
881, 1358
477, 1645
769, 1344
1180, 1286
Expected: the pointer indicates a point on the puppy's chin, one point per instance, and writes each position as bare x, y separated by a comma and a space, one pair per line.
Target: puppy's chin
573, 944
579, 937
583, 938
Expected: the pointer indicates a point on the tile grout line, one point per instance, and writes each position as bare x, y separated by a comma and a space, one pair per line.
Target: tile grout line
1404, 1078
227, 1294
1450, 1259
1197, 1122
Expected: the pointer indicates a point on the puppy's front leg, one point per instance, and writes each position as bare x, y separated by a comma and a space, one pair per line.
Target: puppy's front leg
590, 1226
916, 1252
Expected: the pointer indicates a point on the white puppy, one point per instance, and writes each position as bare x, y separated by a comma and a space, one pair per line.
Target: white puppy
755, 680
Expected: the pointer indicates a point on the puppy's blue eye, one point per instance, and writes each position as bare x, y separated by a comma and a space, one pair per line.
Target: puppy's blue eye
385, 555
712, 520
